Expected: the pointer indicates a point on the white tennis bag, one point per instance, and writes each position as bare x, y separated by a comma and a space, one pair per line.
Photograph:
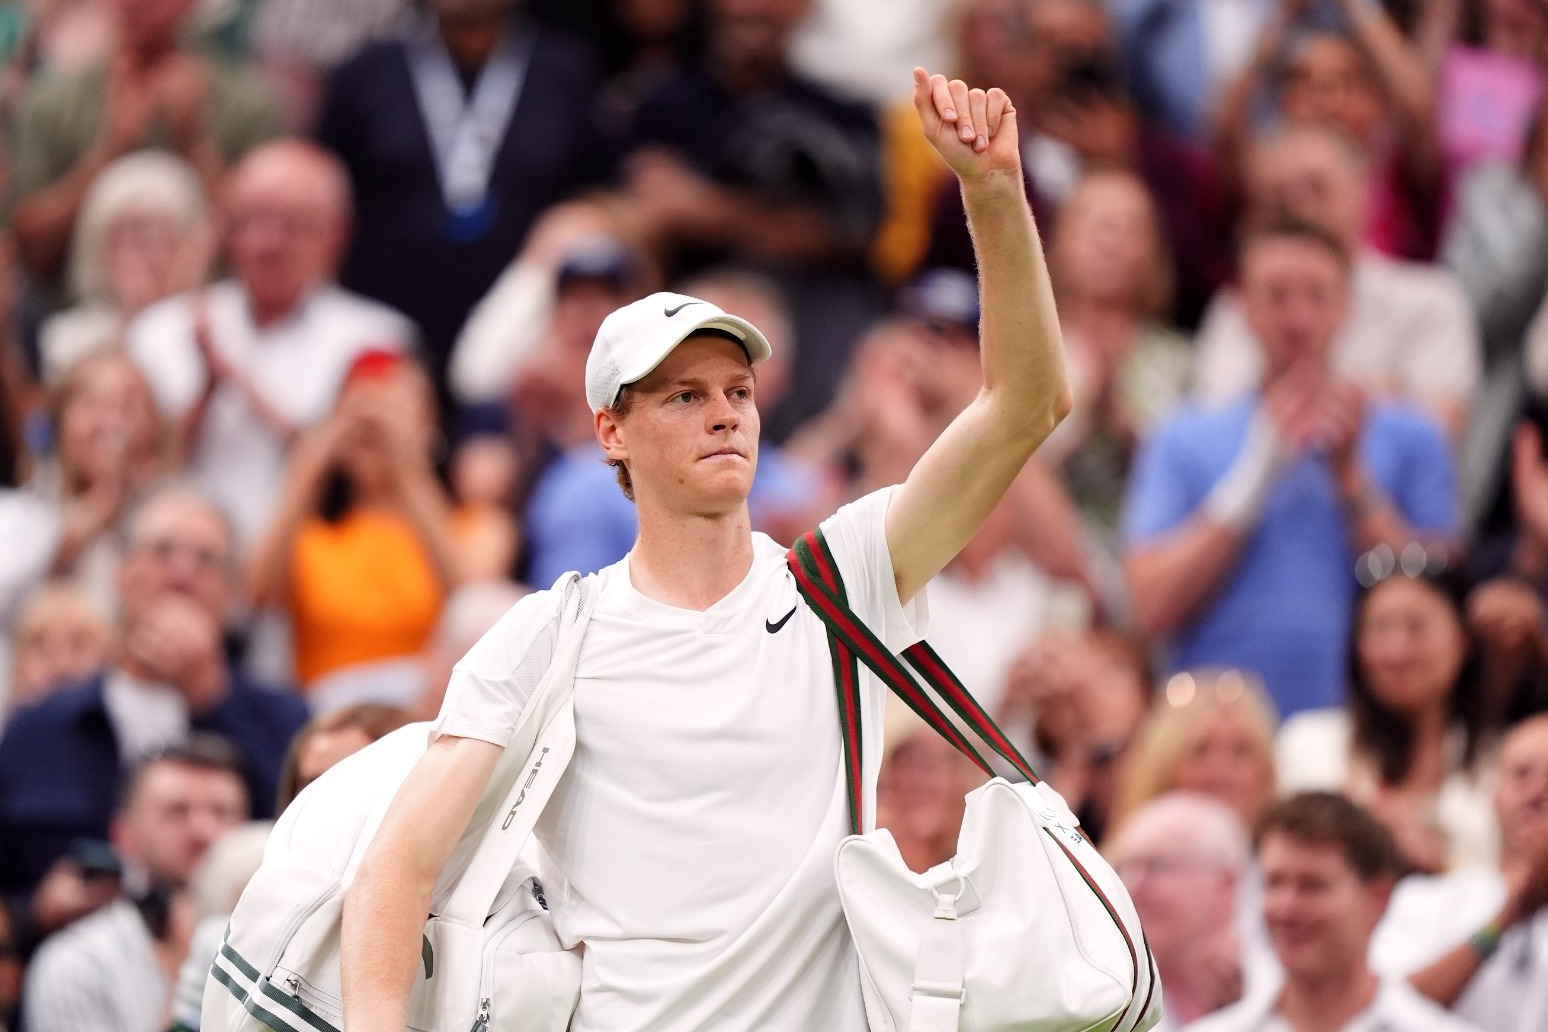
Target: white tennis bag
1027, 928
489, 956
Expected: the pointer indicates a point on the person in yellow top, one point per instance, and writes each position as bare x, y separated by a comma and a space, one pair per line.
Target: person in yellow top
360, 553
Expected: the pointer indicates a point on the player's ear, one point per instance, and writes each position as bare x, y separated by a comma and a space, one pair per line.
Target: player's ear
610, 435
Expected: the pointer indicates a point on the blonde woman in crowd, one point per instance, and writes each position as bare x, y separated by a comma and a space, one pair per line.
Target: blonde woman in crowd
60, 638
109, 444
1210, 731
143, 234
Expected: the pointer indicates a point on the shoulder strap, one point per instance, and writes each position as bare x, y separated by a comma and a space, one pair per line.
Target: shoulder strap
538, 753
851, 642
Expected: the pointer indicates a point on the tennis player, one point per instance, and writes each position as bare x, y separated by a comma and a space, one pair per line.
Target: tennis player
693, 832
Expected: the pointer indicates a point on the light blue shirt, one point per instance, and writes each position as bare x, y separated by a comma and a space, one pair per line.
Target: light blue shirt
1285, 610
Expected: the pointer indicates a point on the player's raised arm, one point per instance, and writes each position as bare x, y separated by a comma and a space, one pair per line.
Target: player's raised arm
1025, 391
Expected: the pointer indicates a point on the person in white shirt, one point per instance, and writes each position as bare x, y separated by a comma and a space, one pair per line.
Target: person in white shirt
1476, 938
247, 363
1409, 333
1184, 856
1328, 871
116, 968
694, 829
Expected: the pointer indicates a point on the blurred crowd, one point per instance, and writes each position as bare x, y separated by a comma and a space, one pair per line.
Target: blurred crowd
296, 298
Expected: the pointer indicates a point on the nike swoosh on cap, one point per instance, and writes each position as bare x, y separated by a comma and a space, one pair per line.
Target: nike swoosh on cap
669, 312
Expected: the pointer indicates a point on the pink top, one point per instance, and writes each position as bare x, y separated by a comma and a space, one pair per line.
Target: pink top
1485, 102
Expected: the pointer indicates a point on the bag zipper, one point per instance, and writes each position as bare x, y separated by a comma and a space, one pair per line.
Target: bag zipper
486, 975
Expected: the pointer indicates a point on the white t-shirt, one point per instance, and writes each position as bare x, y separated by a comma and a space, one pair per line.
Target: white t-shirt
1410, 334
296, 364
1398, 1007
1431, 915
695, 827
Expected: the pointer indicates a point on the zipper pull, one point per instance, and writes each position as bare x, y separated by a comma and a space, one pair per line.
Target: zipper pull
482, 1024
293, 983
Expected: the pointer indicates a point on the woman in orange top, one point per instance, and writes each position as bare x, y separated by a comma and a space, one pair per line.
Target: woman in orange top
360, 551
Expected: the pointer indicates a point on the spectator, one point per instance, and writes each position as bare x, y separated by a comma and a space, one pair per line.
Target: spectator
297, 42
143, 234
1244, 520
1113, 279
360, 552
246, 365
1407, 332
469, 612
1184, 858
1472, 939
1179, 57
61, 639
1328, 870
1082, 694
116, 968
1486, 87
109, 445
1407, 745
327, 739
1361, 77
1211, 732
61, 760
485, 536
574, 516
1497, 243
919, 794
739, 159
153, 92
10, 969
575, 242
441, 210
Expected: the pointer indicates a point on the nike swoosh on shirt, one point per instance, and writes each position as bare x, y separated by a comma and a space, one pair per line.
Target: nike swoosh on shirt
773, 628
673, 311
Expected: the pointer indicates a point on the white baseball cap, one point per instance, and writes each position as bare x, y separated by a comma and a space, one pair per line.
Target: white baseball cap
637, 337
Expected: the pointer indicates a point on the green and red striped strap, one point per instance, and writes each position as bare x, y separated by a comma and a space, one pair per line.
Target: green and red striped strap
852, 642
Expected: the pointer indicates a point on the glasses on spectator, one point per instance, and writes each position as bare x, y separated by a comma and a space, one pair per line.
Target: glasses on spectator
1415, 560
164, 550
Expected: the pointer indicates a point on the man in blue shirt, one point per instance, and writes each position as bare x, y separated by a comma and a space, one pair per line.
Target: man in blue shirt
1244, 520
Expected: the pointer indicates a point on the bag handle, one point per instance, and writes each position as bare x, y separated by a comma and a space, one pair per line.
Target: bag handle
852, 642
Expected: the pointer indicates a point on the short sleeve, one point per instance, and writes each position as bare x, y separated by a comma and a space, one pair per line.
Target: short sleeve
857, 536
1160, 495
490, 686
1425, 488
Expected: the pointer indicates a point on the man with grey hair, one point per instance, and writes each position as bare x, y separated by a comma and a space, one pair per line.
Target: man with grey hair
243, 366
61, 760
1185, 859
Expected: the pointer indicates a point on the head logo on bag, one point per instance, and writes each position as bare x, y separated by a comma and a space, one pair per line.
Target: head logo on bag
531, 777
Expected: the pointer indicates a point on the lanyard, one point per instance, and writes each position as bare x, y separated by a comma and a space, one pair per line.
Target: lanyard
465, 131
